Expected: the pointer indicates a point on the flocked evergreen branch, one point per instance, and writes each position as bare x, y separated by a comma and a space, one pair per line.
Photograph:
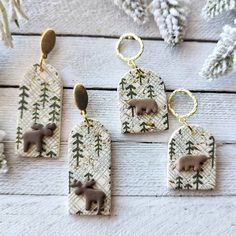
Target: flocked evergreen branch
214, 8
171, 18
137, 9
14, 13
220, 62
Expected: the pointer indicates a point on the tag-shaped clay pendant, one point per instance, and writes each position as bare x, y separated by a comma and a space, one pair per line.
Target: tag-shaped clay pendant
39, 113
89, 150
192, 159
143, 105
3, 161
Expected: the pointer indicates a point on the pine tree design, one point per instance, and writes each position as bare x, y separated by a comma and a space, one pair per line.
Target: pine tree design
172, 148
131, 92
18, 137
123, 83
166, 121
126, 127
188, 186
140, 77
197, 178
44, 96
132, 108
77, 151
212, 151
71, 178
150, 91
51, 154
35, 114
143, 125
23, 103
55, 107
79, 212
98, 145
190, 147
88, 176
179, 182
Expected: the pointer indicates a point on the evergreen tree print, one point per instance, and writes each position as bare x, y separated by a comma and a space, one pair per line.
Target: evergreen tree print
35, 114
71, 178
165, 117
150, 91
140, 76
18, 137
123, 83
132, 108
126, 127
77, 151
88, 176
212, 151
188, 186
197, 178
144, 125
51, 154
179, 182
44, 96
190, 147
131, 92
55, 107
98, 144
23, 103
79, 212
172, 148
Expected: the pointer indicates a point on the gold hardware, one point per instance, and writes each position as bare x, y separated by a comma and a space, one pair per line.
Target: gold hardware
47, 43
183, 118
129, 60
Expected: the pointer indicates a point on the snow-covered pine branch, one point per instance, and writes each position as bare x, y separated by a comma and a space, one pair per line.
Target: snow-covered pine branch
137, 9
15, 13
171, 18
220, 62
216, 7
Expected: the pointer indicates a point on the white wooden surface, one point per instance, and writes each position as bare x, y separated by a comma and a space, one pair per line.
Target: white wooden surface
33, 193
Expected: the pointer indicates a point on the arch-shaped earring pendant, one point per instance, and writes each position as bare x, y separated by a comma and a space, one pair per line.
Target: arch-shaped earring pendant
142, 96
191, 153
89, 151
39, 107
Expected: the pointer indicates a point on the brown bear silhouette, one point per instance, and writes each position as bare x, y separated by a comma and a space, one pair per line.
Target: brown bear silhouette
147, 106
36, 135
91, 195
189, 161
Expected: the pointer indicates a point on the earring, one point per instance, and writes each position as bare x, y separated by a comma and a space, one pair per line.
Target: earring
39, 109
191, 152
142, 96
89, 150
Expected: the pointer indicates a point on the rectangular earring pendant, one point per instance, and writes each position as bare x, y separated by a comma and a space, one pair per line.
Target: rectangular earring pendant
39, 113
89, 148
192, 159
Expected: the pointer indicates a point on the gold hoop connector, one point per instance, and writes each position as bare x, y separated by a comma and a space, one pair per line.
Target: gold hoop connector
129, 60
183, 118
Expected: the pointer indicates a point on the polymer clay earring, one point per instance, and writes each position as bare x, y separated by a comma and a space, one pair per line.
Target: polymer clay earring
39, 107
3, 161
191, 153
142, 96
89, 151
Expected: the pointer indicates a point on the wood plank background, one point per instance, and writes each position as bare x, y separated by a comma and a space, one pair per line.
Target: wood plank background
33, 193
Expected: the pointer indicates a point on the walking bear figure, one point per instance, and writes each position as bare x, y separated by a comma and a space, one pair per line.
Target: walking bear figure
36, 135
144, 105
91, 195
189, 161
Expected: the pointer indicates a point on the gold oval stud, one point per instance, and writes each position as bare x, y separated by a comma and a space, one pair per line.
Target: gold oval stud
48, 41
80, 97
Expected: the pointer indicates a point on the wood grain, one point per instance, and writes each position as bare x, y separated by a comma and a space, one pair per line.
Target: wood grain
138, 169
48, 215
104, 18
217, 112
86, 61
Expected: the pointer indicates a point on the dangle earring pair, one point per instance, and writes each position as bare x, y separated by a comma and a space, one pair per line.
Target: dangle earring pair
144, 108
